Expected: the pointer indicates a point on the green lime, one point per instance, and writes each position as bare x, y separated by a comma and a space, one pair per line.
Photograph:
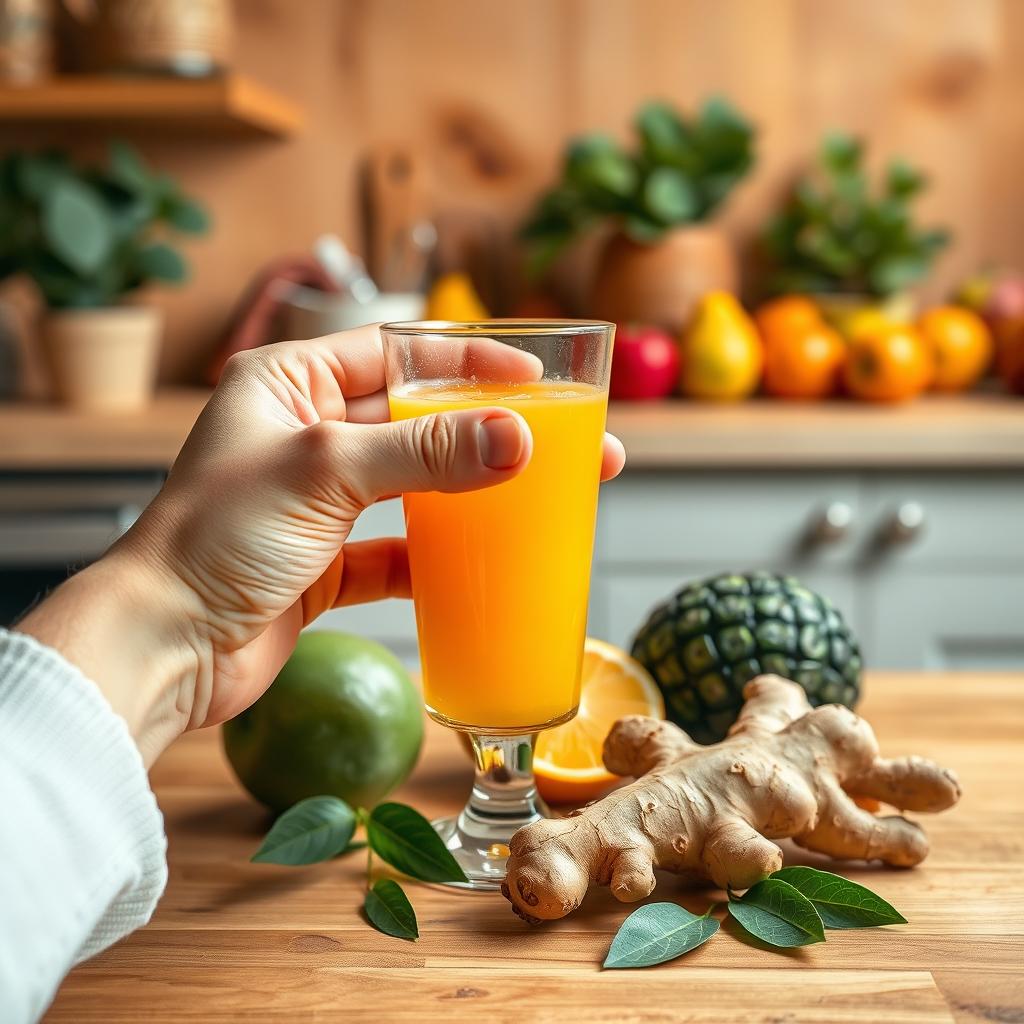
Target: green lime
342, 718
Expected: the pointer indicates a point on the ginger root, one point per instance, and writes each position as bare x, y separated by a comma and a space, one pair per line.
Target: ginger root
785, 770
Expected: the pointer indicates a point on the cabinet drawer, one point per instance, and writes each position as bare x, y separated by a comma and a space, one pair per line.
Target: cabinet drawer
946, 620
970, 519
738, 521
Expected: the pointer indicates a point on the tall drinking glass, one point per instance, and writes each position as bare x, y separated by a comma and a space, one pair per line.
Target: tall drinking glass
500, 576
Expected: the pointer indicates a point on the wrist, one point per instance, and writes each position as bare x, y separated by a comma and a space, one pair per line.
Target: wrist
134, 635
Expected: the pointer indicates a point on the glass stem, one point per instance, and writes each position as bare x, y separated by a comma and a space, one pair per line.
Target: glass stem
504, 795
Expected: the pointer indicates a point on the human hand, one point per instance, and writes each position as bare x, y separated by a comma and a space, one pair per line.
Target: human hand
246, 543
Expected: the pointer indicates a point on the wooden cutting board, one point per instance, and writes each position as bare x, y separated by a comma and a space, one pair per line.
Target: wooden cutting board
238, 941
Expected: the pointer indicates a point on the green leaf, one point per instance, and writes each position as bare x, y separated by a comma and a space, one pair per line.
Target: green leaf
656, 933
669, 197
902, 181
840, 903
776, 913
390, 911
128, 170
315, 829
186, 215
38, 174
643, 230
596, 163
407, 841
76, 225
841, 153
162, 262
894, 273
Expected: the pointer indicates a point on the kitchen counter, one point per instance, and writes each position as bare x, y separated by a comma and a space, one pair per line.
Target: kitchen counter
245, 941
967, 431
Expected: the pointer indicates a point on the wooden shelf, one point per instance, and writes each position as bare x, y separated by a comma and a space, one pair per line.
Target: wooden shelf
946, 433
227, 104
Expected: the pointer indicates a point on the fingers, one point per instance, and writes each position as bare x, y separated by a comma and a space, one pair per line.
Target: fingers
450, 451
846, 832
613, 457
374, 570
446, 357
910, 783
736, 856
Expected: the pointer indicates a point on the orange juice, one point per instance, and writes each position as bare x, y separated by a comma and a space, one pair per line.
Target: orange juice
500, 577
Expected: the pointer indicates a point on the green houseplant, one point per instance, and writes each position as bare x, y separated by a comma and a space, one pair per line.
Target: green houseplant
658, 198
848, 243
90, 237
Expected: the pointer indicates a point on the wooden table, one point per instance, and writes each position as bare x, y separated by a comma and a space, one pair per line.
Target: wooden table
239, 941
973, 431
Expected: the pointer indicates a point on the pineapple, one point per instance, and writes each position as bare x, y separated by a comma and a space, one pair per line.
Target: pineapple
714, 635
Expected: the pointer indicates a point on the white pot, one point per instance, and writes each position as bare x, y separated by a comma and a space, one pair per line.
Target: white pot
312, 314
104, 360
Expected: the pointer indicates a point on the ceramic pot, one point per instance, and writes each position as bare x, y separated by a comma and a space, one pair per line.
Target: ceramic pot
104, 360
662, 283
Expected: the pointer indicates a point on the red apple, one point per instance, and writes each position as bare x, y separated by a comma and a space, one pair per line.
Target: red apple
645, 363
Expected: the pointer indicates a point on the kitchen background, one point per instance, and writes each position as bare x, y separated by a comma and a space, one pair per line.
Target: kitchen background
424, 133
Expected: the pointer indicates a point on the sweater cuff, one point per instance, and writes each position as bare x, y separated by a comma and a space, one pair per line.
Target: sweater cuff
95, 863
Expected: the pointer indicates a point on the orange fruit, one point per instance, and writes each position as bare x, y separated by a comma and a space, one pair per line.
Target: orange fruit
888, 365
567, 763
786, 315
803, 362
960, 344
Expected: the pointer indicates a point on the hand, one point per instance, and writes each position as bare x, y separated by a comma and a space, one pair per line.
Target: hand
245, 544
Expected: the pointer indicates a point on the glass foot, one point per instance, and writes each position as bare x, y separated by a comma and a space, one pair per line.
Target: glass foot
503, 800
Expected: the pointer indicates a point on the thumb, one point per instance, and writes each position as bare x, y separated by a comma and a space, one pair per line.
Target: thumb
448, 451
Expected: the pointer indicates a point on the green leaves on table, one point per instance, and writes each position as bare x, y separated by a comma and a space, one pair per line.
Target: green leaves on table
790, 908
407, 841
658, 932
321, 827
389, 910
839, 902
795, 905
777, 913
315, 829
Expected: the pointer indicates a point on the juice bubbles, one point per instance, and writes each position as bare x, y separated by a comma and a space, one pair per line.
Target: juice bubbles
501, 576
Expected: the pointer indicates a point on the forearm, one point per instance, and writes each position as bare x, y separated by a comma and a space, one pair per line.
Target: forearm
121, 625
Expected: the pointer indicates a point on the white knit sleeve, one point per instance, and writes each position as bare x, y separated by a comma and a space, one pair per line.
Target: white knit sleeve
82, 846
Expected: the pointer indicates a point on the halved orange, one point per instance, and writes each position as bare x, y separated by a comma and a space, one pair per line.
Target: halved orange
567, 763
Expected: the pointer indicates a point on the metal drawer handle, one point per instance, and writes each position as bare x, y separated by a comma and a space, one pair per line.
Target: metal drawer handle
906, 524
832, 524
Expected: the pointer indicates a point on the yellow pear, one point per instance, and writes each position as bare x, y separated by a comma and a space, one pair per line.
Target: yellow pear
721, 350
453, 297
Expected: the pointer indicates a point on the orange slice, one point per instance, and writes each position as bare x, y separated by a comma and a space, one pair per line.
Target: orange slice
567, 762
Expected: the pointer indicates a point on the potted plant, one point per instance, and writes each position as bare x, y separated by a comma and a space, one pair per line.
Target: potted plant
90, 237
855, 249
662, 255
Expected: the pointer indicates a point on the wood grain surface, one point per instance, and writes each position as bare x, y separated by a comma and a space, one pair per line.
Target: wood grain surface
972, 431
238, 941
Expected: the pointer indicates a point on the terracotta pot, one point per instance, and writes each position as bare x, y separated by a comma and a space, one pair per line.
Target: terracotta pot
104, 360
662, 283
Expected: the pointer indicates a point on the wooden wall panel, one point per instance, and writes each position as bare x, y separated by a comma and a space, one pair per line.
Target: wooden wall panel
490, 90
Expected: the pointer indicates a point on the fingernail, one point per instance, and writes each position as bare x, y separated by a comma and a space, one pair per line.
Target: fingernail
501, 442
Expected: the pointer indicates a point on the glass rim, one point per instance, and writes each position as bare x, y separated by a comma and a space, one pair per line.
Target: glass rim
497, 327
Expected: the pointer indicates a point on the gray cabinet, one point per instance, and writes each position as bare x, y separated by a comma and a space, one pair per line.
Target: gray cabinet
928, 567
